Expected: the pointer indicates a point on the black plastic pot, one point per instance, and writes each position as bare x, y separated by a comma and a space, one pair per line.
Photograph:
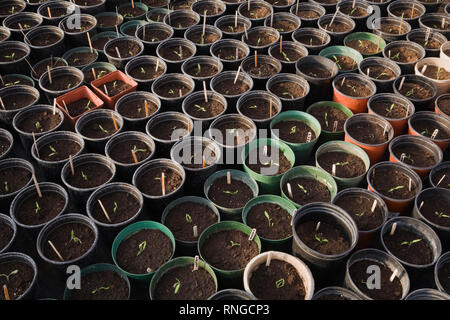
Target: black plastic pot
336, 37
382, 85
52, 61
230, 20
407, 6
426, 294
125, 171
419, 35
141, 61
231, 295
389, 37
434, 22
229, 64
174, 66
257, 95
173, 104
78, 37
420, 104
10, 163
308, 33
6, 220
436, 173
360, 21
194, 62
218, 5
290, 104
19, 6
283, 16
197, 30
15, 65
39, 52
120, 63
308, 6
97, 145
150, 46
56, 73
443, 260
259, 82
406, 67
30, 292
172, 16
55, 6
82, 50
5, 34
288, 64
8, 93
258, 21
26, 19
329, 7
335, 291
261, 29
6, 135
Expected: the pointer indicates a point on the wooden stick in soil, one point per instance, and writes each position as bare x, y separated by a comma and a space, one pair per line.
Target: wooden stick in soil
394, 274
333, 169
203, 162
317, 226
424, 68
118, 53
412, 10
228, 177
146, 108
335, 124
49, 12
401, 24
443, 23
157, 65
35, 145
421, 205
195, 231
196, 261
72, 169
56, 250
168, 13
394, 226
401, 83
205, 92
235, 19
334, 16
342, 83
379, 42
435, 133
133, 153
368, 72
374, 205
427, 35
104, 210
23, 33
143, 32
132, 4
354, 3
163, 184
256, 59
296, 8
248, 6
281, 44
180, 92
246, 34
36, 184
269, 259
1, 78
410, 184
385, 129
106, 90
89, 42
440, 180
3, 105
289, 189
49, 75
93, 73
65, 106
54, 106
270, 108
204, 24
5, 291
271, 19
115, 122
117, 30
237, 74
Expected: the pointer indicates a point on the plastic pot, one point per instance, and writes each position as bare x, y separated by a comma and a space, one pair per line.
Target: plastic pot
366, 36
170, 103
283, 16
379, 257
443, 86
232, 99
432, 117
418, 36
427, 294
439, 103
188, 247
298, 7
142, 61
302, 151
435, 172
329, 7
26, 138
5, 34
428, 146
19, 6
381, 4
94, 8
396, 205
197, 30
230, 213
346, 147
332, 52
120, 63
281, 7
336, 37
80, 195
219, 9
389, 37
227, 278
271, 244
129, 28
99, 46
263, 123
255, 4
333, 291
360, 21
382, 85
16, 65
178, 263
225, 22
75, 36
396, 8
260, 81
367, 238
300, 267
175, 65
73, 51
406, 67
172, 16
445, 51
10, 163
319, 87
150, 46
22, 258
17, 79
6, 220
66, 8
304, 36
129, 100
8, 93
28, 20
290, 104
97, 144
104, 69
48, 61
261, 29
229, 64
58, 73
193, 62
420, 104
6, 135
232, 294
355, 104
433, 21
102, 28
443, 260
374, 151
199, 96
288, 65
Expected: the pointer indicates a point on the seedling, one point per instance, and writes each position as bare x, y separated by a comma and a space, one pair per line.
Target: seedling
395, 188
396, 56
143, 71
269, 219
37, 208
288, 94
231, 28
171, 91
9, 275
100, 289
285, 56
116, 207
351, 12
12, 83
6, 186
115, 84
74, 238
199, 69
389, 110
438, 72
142, 246
310, 42
188, 218
253, 107
68, 86
410, 92
234, 244
336, 60
320, 240
84, 176
136, 150
231, 192
424, 132
102, 129
178, 54
360, 43
360, 214
381, 74
341, 163
11, 56
293, 129
200, 108
257, 42
280, 283
100, 74
441, 215
409, 157
176, 286
351, 87
302, 188
410, 242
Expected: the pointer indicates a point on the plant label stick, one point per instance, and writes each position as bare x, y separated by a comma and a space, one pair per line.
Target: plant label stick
157, 65
235, 19
132, 4
54, 106
439, 182
394, 274
106, 90
435, 132
401, 83
385, 129
270, 108
256, 59
335, 124
180, 92
410, 184
252, 234
1, 78
342, 82
89, 42
205, 92
248, 6
354, 3
412, 10
146, 108
308, 137
49, 75
143, 32
163, 184
333, 170
394, 226
402, 157
3, 105
35, 144
228, 177
427, 35
443, 23
5, 291
317, 226
196, 262
296, 8
374, 205
56, 250
104, 210
237, 74
36, 184
134, 156
195, 231
289, 189
93, 73
117, 30
204, 24
421, 205
334, 16
424, 68
401, 23
118, 53
71, 165
49, 12
115, 123
246, 34
181, 52
65, 106
368, 72
269, 258
203, 161
271, 19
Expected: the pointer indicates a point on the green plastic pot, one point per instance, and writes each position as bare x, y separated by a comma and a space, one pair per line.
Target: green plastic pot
227, 278
133, 229
188, 247
347, 147
100, 267
366, 36
266, 183
302, 151
231, 213
329, 52
330, 135
177, 263
70, 52
270, 244
312, 173
109, 28
140, 5
132, 24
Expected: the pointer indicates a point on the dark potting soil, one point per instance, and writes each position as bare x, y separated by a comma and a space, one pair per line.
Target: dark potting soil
363, 46
62, 83
54, 12
173, 90
108, 21
175, 53
199, 38
427, 44
258, 108
130, 12
44, 39
58, 150
337, 27
35, 211
144, 251
42, 67
197, 157
368, 132
305, 190
181, 22
81, 59
328, 1
270, 220
344, 63
311, 40
308, 14
331, 119
436, 24
436, 210
184, 216
87, 3
99, 72
10, 9
353, 12
154, 35
229, 249
388, 109
407, 13
427, 127
18, 101
436, 72
150, 181
278, 281
378, 72
444, 104
155, 3
136, 110
404, 55
6, 234
353, 88
79, 107
284, 26
294, 131
146, 71
157, 16
360, 209
182, 283
328, 240
332, 297
120, 206
13, 179
315, 71
256, 12
262, 70
39, 122
89, 175
268, 161
102, 285
347, 165
205, 110
229, 53
409, 246
287, 55
232, 28
415, 155
98, 129
99, 43
229, 88
392, 29
84, 26
114, 88
202, 70
169, 130
259, 39
4, 145
208, 9
443, 174
127, 49
444, 277
287, 90
17, 276
233, 195
388, 290
229, 131
12, 80
393, 183
72, 240
9, 55
120, 154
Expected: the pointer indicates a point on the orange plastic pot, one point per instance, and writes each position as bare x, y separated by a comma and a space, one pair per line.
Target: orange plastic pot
355, 104
79, 93
374, 151
110, 102
430, 116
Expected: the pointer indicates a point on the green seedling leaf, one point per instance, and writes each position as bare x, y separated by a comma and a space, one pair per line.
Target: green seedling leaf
320, 240
188, 218
302, 188
176, 286
37, 208
9, 275
116, 207
269, 220
54, 152
234, 244
410, 242
74, 238
395, 188
84, 176
231, 192
280, 283
141, 247
99, 289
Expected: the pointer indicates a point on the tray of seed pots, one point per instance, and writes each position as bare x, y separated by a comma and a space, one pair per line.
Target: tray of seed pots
19, 276
140, 249
275, 275
271, 216
15, 175
145, 70
187, 217
432, 126
442, 105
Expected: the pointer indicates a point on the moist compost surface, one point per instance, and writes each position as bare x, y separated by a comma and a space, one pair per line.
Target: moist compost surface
393, 183
202, 70
197, 157
259, 39
18, 101
347, 165
427, 127
229, 130
12, 80
389, 109
99, 72
268, 160
436, 210
20, 276
444, 105
115, 87
44, 39
258, 108
98, 129
199, 38
233, 195
443, 174
79, 107
13, 179
175, 53
108, 21
62, 83
286, 55
261, 70
413, 90
4, 145
363, 46
204, 110
58, 150
81, 59
103, 285
172, 90
165, 130
39, 122
119, 151
230, 88
294, 131
120, 206
415, 155
306, 190
367, 132
150, 181
344, 63
35, 210
436, 72
256, 12
287, 90
89, 175
182, 22
146, 72
404, 55
353, 88
270, 220
360, 209
327, 115
136, 109
6, 234
127, 49
378, 72
408, 246
154, 35
229, 53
